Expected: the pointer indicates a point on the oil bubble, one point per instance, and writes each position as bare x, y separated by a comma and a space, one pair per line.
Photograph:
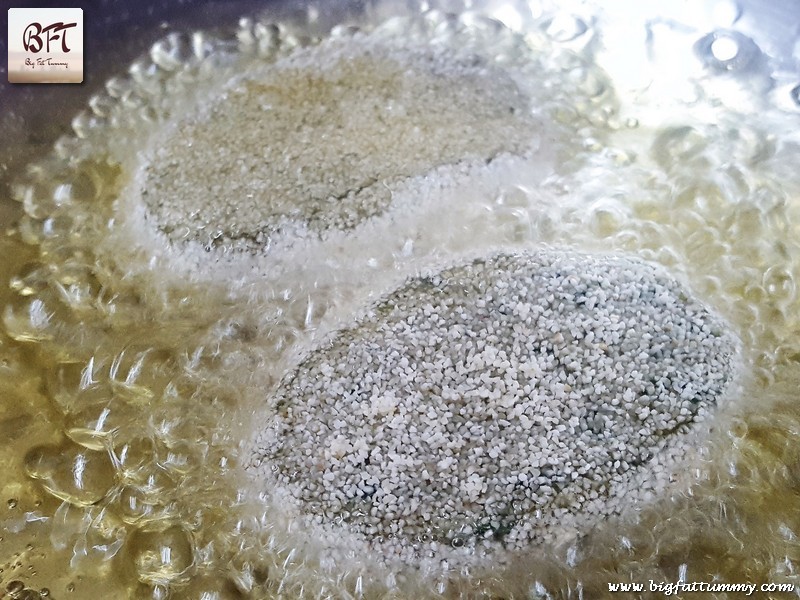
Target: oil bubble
101, 104
102, 540
119, 87
512, 15
84, 123
135, 374
94, 427
40, 199
73, 389
69, 523
136, 506
157, 592
605, 217
208, 587
134, 456
30, 279
565, 28
29, 321
173, 52
71, 473
727, 51
779, 283
155, 484
737, 428
674, 147
161, 555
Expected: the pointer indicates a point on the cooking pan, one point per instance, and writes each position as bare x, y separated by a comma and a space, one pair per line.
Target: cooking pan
687, 160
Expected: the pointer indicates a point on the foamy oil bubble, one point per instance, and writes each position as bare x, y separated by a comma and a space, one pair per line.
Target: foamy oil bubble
139, 377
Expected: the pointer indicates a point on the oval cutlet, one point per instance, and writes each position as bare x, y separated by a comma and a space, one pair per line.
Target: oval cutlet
491, 403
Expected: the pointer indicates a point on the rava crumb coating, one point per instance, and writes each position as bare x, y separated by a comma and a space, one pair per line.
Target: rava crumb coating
316, 140
496, 403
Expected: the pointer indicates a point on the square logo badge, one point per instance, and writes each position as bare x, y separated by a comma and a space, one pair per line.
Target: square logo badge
45, 45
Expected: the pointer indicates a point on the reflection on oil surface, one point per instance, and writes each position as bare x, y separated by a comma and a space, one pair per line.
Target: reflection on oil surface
137, 361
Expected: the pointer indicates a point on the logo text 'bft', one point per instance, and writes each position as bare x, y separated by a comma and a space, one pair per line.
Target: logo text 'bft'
32, 36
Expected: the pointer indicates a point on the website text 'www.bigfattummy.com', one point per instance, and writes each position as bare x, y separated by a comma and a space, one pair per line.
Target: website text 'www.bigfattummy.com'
668, 588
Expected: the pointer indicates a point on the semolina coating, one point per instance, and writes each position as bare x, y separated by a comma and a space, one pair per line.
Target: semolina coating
489, 404
316, 140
